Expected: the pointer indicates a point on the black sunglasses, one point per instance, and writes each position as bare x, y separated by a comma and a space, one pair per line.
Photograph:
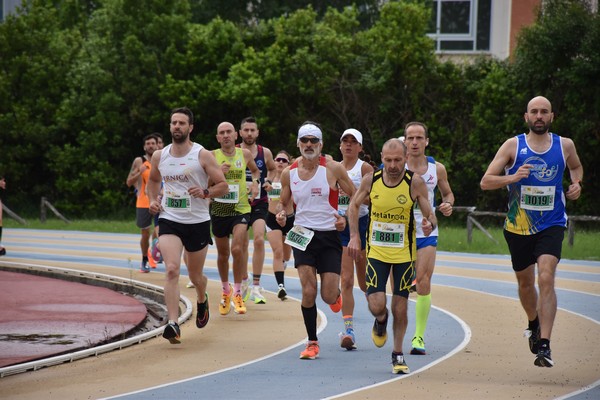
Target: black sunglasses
281, 159
313, 140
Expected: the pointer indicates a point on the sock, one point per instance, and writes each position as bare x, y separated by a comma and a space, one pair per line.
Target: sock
256, 279
237, 288
533, 325
348, 322
422, 314
310, 321
279, 277
225, 287
544, 343
0, 233
172, 322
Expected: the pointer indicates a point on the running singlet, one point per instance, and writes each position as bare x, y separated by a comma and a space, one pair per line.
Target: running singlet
235, 202
262, 166
316, 203
355, 175
391, 231
430, 178
179, 174
537, 202
142, 200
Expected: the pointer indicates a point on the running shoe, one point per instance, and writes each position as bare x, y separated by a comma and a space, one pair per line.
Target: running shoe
257, 295
190, 285
379, 332
225, 304
348, 340
172, 333
2, 251
337, 306
418, 346
534, 339
311, 352
151, 260
281, 293
144, 267
238, 304
245, 289
399, 365
544, 357
203, 313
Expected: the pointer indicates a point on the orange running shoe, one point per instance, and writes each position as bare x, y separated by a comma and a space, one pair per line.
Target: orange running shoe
151, 260
238, 304
337, 306
311, 352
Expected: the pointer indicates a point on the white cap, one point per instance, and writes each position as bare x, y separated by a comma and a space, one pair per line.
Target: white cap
401, 138
310, 130
357, 135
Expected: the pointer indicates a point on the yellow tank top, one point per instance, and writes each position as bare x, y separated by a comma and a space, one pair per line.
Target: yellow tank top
142, 200
391, 236
235, 202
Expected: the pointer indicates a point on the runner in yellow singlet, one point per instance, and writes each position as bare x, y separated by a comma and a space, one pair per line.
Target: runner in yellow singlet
391, 241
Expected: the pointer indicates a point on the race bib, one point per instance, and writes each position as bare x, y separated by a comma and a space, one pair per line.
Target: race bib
386, 234
537, 198
343, 202
178, 201
275, 193
299, 237
232, 196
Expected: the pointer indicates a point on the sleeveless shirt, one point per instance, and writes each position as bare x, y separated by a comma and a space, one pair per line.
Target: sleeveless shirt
430, 178
355, 175
262, 166
142, 200
537, 202
179, 174
391, 231
316, 203
235, 202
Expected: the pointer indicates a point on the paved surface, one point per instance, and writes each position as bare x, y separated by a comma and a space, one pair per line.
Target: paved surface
42, 317
474, 338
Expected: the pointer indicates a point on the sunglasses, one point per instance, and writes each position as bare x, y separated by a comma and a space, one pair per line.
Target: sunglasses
313, 140
281, 159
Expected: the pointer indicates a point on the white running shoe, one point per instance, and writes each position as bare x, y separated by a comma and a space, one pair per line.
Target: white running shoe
257, 295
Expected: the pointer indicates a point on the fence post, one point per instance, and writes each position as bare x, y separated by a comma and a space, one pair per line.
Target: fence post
571, 231
43, 210
469, 229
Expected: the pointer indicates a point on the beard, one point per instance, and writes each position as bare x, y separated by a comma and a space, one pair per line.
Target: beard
311, 155
249, 141
538, 129
180, 137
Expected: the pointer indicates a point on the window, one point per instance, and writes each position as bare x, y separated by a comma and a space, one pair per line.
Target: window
461, 25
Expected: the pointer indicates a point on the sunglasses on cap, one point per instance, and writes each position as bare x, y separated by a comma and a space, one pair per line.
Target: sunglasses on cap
281, 159
313, 140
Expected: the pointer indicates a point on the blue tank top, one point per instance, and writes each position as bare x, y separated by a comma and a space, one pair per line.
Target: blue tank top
537, 202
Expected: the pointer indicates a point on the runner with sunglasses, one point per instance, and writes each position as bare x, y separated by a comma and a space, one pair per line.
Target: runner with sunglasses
275, 232
312, 182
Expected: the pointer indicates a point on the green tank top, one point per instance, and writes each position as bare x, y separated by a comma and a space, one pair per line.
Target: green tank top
235, 202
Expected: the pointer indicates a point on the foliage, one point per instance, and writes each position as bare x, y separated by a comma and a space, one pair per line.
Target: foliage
81, 83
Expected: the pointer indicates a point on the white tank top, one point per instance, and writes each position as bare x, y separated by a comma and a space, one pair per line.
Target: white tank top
355, 175
316, 203
179, 174
430, 178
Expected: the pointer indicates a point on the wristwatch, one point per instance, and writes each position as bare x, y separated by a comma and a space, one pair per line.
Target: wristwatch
206, 193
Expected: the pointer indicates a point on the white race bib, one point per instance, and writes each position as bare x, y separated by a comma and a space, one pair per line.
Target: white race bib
386, 234
299, 237
537, 198
275, 192
232, 197
177, 201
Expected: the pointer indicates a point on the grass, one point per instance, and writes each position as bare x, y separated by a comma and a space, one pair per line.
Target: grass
452, 238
